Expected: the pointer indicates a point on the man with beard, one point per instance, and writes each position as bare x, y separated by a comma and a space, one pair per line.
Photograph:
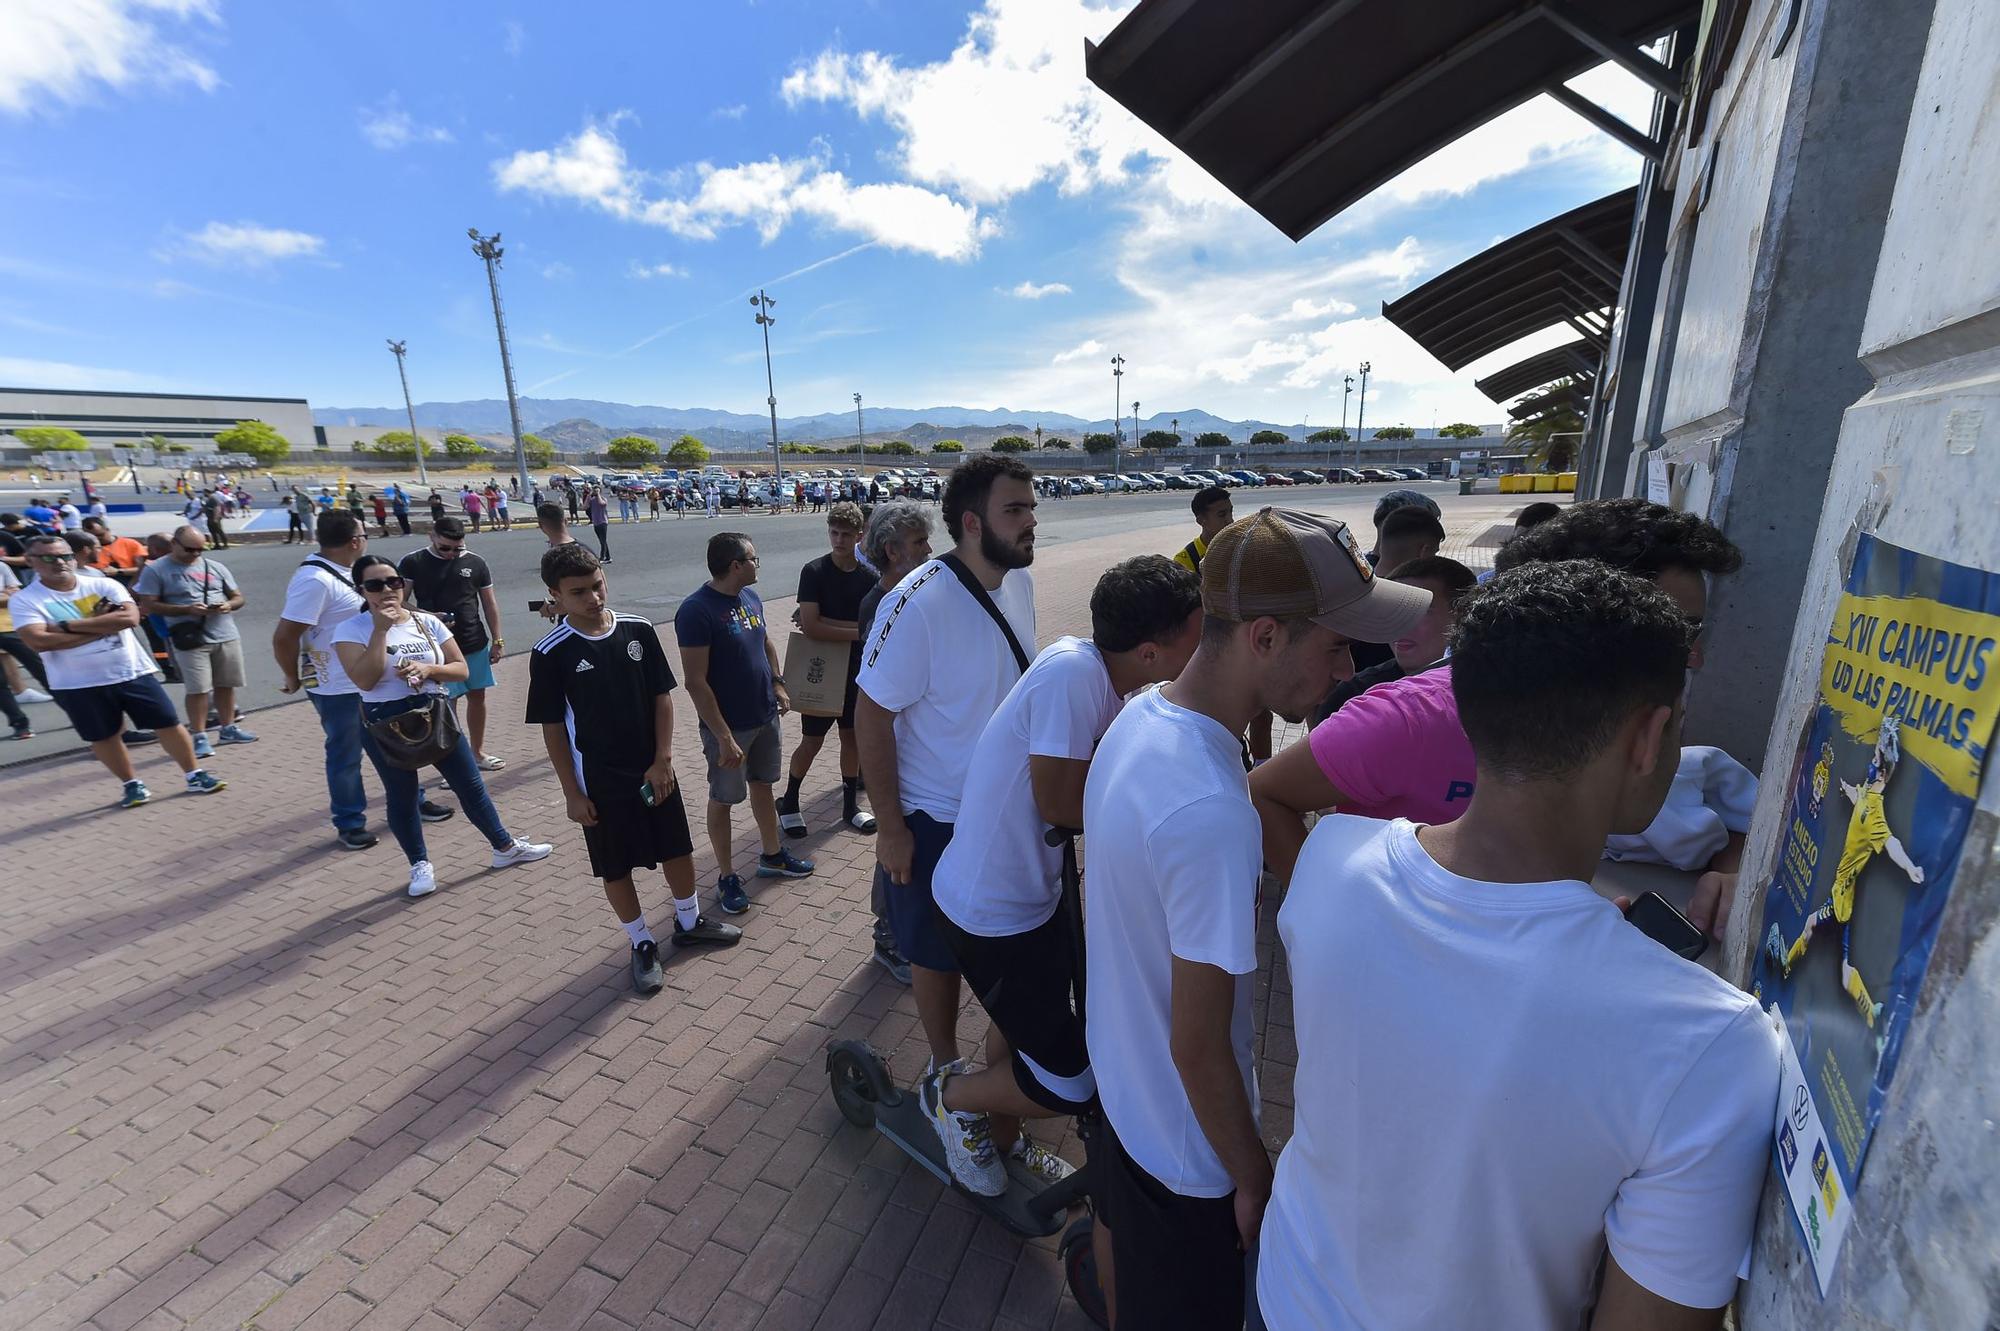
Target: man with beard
1171, 932
945, 648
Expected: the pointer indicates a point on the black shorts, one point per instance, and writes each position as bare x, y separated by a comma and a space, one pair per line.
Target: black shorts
1027, 984
100, 712
819, 725
1178, 1260
629, 835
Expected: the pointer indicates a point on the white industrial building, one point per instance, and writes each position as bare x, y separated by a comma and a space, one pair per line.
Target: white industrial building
106, 419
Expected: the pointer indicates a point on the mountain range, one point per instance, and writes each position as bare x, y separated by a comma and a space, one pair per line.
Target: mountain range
584, 424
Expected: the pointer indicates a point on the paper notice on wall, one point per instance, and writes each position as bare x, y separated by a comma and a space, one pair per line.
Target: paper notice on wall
1822, 1207
1659, 479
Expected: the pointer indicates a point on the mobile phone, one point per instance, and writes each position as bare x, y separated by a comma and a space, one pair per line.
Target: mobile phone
1654, 916
646, 796
536, 606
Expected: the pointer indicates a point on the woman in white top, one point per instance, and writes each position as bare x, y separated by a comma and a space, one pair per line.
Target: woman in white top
401, 659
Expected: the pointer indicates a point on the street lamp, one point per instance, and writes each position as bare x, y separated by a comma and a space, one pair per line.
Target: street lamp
488, 249
1346, 392
423, 476
1117, 408
1135, 424
860, 449
1361, 411
763, 303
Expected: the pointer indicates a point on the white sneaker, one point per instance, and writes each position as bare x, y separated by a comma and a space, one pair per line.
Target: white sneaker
1041, 1164
423, 879
32, 695
967, 1139
521, 852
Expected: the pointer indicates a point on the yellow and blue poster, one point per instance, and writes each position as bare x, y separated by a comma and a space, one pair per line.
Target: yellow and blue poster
1882, 794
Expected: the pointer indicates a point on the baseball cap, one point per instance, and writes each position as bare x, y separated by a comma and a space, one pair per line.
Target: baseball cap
1286, 564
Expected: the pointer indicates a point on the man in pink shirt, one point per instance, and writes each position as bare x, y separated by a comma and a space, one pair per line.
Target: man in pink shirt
1398, 750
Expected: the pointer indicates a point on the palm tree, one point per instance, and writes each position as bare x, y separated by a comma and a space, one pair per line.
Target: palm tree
1549, 433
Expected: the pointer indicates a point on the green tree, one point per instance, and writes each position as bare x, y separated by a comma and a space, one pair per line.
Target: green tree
1012, 443
51, 439
900, 448
1336, 435
688, 451
1395, 432
1159, 439
539, 450
1099, 442
1460, 430
1058, 442
397, 444
1270, 437
255, 440
1211, 439
463, 447
632, 450
1549, 433
947, 446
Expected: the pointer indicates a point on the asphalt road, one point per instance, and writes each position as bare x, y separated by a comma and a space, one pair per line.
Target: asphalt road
655, 564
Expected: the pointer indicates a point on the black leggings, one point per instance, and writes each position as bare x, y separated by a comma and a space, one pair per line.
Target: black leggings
603, 540
32, 663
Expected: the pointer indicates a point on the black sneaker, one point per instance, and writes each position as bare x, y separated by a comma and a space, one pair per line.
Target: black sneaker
357, 838
889, 959
647, 977
707, 931
140, 736
432, 812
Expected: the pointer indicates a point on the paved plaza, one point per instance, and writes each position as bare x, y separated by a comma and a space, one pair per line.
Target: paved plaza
244, 1081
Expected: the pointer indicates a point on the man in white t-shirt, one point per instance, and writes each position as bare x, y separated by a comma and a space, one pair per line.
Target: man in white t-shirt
935, 668
1500, 1081
317, 599
998, 886
1171, 924
99, 672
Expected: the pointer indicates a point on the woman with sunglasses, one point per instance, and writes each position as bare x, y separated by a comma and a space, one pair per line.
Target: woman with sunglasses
400, 659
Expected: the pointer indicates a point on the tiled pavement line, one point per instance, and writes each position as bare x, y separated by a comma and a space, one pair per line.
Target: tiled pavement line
268, 1087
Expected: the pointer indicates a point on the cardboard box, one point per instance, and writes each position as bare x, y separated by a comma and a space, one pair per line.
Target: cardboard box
816, 675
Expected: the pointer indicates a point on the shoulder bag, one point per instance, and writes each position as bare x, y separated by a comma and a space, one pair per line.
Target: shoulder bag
979, 594
186, 634
422, 736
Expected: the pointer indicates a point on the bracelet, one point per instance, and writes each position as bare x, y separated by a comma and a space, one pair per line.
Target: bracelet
499, 642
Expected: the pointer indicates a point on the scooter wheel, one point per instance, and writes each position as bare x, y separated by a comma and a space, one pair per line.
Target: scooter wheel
853, 1086
1079, 1259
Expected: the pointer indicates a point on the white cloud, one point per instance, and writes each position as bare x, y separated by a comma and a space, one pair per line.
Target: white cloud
247, 244
61, 51
389, 127
1036, 290
591, 168
1081, 351
558, 271
736, 112
60, 374
644, 270
513, 36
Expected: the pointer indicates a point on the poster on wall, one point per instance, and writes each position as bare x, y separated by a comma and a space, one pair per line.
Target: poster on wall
1882, 793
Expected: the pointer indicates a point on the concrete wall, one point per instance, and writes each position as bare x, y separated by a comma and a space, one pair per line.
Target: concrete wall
1918, 463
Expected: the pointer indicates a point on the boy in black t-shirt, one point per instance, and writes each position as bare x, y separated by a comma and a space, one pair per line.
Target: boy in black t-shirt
831, 589
600, 687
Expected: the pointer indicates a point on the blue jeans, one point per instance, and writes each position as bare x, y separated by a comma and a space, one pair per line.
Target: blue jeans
340, 719
460, 771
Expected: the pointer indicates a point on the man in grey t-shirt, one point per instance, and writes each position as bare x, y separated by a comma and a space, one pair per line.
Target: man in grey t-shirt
191, 591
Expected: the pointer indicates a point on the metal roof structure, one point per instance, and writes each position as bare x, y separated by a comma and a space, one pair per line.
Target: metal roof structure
1574, 398
1573, 360
1302, 107
1565, 270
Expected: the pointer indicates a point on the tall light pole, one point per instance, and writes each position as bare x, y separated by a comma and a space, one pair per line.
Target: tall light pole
1117, 408
765, 319
860, 449
1361, 411
423, 476
1346, 391
1135, 422
488, 249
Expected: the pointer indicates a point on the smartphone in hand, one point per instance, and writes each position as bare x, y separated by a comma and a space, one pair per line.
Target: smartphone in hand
1654, 916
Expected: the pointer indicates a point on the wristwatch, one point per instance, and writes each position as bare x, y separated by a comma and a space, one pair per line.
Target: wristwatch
63, 624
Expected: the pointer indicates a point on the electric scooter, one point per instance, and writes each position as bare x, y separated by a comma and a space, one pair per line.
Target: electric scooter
868, 1098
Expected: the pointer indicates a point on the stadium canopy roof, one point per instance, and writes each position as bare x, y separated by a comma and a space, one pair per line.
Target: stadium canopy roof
1573, 360
1573, 398
1564, 271
1301, 107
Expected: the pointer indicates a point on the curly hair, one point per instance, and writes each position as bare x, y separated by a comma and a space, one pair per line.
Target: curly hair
1147, 598
971, 482
1635, 535
1548, 660
845, 513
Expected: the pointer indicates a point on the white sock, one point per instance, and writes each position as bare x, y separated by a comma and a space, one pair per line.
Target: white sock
637, 931
687, 911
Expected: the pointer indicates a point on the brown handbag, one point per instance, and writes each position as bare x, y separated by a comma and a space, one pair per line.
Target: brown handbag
422, 736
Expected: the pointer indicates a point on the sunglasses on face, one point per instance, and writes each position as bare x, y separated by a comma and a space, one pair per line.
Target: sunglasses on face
390, 584
56, 559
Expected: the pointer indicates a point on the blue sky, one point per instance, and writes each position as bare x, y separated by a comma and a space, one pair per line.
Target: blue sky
221, 196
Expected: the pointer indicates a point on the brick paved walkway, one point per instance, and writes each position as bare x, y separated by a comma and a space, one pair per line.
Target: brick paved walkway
245, 1081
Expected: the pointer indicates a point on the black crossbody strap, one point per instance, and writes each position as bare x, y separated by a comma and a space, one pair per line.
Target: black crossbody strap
345, 579
979, 594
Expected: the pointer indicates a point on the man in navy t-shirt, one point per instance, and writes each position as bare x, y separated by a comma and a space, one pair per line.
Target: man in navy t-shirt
731, 671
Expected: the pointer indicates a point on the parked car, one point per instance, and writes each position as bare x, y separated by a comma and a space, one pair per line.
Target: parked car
1343, 476
1085, 485
1305, 476
1379, 474
1110, 483
1276, 478
1411, 473
1247, 477
1181, 480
